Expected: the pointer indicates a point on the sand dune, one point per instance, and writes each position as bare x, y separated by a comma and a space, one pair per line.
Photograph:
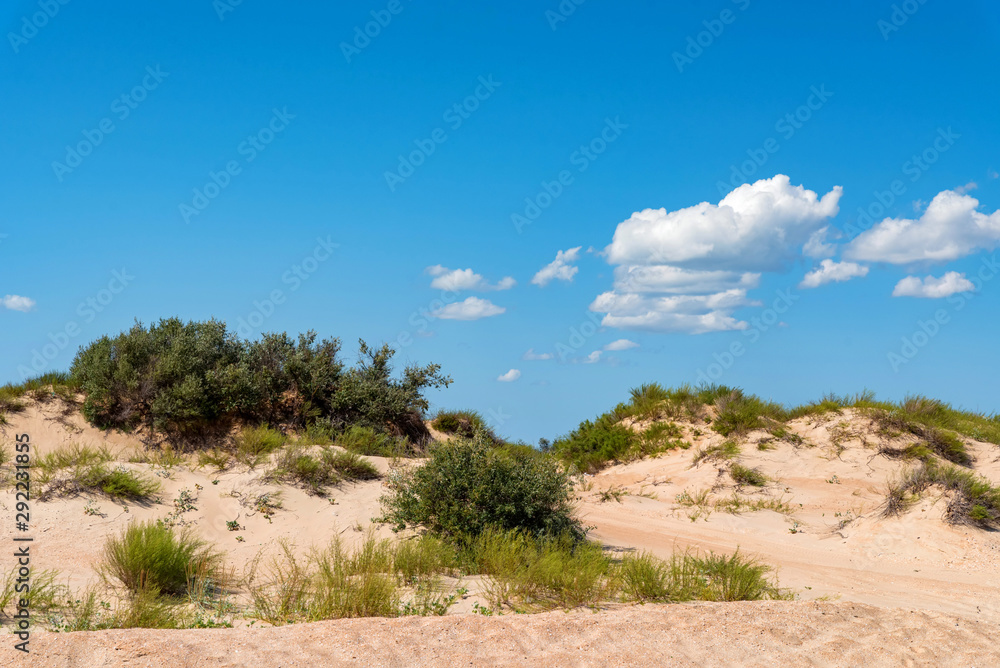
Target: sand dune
913, 590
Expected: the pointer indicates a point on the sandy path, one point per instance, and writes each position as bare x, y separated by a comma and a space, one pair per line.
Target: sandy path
707, 634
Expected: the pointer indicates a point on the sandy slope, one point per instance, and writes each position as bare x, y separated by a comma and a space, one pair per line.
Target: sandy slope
935, 584
915, 561
735, 634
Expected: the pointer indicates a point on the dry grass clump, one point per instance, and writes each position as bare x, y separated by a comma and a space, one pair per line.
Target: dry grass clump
378, 579
723, 451
742, 475
317, 473
972, 499
78, 469
689, 577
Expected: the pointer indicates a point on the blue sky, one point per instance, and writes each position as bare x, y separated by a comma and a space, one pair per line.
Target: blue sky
273, 166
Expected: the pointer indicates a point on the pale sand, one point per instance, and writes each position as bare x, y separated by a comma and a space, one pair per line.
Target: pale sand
705, 635
937, 586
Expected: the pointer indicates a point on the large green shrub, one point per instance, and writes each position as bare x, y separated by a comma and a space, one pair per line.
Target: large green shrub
188, 380
469, 486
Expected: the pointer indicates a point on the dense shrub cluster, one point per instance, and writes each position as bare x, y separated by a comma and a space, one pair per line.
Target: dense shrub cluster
191, 379
469, 486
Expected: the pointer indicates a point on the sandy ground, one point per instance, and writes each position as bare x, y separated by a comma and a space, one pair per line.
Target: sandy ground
708, 634
904, 591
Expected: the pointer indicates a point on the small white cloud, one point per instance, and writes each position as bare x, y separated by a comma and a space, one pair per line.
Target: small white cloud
510, 376
559, 269
621, 344
472, 308
971, 185
17, 303
830, 271
455, 280
532, 355
993, 174
593, 357
933, 288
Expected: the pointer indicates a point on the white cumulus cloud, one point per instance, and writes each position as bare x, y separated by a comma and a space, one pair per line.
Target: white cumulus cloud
933, 288
456, 280
830, 271
593, 357
532, 355
17, 303
473, 308
621, 344
559, 269
757, 226
950, 228
510, 376
689, 270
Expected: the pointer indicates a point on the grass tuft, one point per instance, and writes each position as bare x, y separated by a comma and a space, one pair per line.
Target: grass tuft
150, 556
742, 475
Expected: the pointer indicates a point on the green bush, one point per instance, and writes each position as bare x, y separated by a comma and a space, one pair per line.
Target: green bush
469, 486
592, 445
149, 555
191, 381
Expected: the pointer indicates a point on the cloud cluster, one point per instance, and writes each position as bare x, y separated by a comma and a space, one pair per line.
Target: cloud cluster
689, 270
950, 228
830, 271
933, 288
456, 280
559, 269
17, 303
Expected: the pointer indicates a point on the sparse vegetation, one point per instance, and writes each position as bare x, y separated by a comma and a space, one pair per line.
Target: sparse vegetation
688, 577
722, 451
330, 467
971, 499
77, 469
704, 503
366, 441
